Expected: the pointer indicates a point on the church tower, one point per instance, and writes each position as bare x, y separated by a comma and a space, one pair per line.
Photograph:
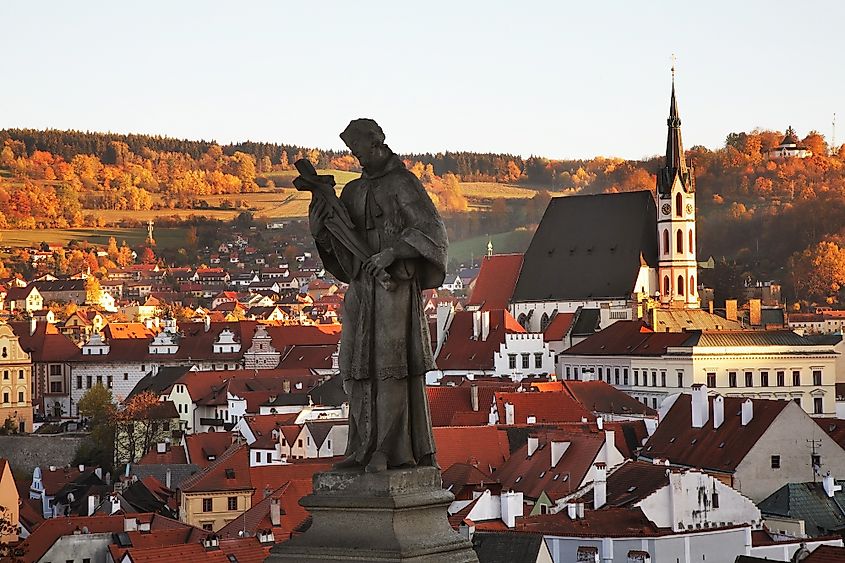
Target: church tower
677, 267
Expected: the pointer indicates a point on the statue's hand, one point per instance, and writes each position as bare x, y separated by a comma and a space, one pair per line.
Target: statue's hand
318, 213
380, 261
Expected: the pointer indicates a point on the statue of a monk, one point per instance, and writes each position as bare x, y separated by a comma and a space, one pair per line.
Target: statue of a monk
385, 345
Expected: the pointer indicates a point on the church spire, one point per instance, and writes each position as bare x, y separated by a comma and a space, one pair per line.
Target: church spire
675, 164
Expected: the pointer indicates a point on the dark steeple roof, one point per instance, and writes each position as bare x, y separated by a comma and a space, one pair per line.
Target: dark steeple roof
676, 164
790, 138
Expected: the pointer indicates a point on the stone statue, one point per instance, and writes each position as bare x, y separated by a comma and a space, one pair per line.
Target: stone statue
388, 242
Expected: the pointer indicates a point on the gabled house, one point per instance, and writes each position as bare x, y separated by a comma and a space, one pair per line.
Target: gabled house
755, 446
26, 299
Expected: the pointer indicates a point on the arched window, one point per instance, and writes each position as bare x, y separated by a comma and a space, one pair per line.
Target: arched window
680, 285
666, 289
679, 241
544, 322
678, 205
692, 286
521, 319
665, 241
691, 245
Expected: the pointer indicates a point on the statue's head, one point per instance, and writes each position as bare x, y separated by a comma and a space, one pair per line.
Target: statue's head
365, 139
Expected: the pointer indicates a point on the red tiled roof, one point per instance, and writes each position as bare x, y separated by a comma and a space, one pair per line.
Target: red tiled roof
272, 476
173, 454
452, 406
826, 554
493, 288
834, 427
308, 357
202, 445
46, 344
484, 446
292, 514
632, 482
134, 331
627, 338
720, 449
607, 522
602, 398
533, 475
229, 472
463, 351
303, 335
53, 481
184, 553
545, 407
46, 534
459, 475
559, 327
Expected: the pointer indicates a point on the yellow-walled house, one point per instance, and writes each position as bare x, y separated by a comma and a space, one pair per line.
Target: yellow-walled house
15, 383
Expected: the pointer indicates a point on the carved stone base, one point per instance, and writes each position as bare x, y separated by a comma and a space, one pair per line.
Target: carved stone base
393, 516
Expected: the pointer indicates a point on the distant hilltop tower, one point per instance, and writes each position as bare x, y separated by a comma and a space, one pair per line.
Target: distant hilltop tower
677, 266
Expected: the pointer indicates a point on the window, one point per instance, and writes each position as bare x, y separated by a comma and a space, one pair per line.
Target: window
714, 500
99, 380
711, 380
299, 442
654, 402
109, 382
680, 379
796, 378
764, 379
818, 405
206, 505
568, 372
816, 460
636, 377
691, 247
665, 241
666, 289
625, 376
749, 379
797, 401
663, 379
269, 457
512, 361
525, 358
79, 382
731, 379
56, 387
678, 204
575, 371
601, 373
775, 462
817, 377
654, 379
680, 284
232, 503
5, 374
257, 457
208, 527
616, 376
5, 397
20, 397
679, 241
538, 360
125, 376
781, 376
20, 374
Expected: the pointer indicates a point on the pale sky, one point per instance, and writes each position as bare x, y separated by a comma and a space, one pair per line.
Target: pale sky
556, 79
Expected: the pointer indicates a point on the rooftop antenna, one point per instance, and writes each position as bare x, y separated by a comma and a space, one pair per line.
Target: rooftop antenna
673, 67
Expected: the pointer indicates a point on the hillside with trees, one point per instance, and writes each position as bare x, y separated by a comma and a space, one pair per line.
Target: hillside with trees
760, 217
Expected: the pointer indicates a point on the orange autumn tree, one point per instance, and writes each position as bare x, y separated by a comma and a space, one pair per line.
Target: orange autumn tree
819, 271
138, 426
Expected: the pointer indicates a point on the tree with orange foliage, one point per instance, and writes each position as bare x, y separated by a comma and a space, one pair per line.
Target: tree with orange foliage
819, 271
139, 425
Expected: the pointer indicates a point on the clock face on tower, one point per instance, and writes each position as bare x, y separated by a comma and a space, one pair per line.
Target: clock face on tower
689, 209
666, 208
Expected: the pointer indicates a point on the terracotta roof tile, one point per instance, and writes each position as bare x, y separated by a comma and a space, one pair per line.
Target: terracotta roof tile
462, 351
483, 446
720, 449
545, 407
559, 327
173, 454
602, 398
204, 445
627, 338
632, 482
493, 288
229, 472
834, 427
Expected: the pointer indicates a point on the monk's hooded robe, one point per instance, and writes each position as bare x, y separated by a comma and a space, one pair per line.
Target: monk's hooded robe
385, 347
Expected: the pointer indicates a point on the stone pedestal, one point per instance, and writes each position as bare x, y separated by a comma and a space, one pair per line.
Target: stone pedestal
397, 515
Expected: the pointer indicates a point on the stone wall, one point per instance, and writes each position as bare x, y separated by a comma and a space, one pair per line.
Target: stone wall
24, 452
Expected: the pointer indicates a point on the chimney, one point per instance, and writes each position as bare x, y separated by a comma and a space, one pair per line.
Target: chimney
747, 411
700, 406
511, 507
533, 443
755, 312
718, 411
710, 306
266, 537
572, 510
93, 503
580, 509
115, 504
558, 449
168, 479
600, 486
99, 472
509, 414
81, 467
600, 423
206, 323
485, 325
161, 447
476, 325
830, 486
730, 309
275, 512
33, 324
653, 318
286, 385
473, 395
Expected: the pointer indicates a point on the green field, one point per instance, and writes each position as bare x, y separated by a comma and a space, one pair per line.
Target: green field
464, 251
165, 237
